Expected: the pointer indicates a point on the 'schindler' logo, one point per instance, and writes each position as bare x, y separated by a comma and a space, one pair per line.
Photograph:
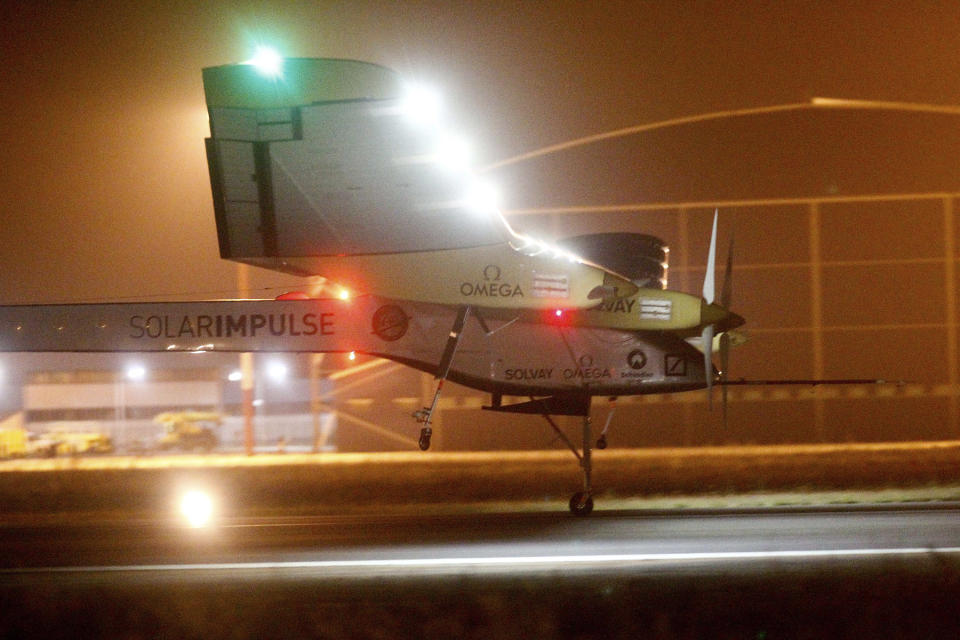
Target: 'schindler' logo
637, 359
491, 287
390, 322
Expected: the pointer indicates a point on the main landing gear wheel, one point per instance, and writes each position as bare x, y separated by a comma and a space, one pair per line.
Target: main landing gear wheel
581, 504
425, 434
602, 442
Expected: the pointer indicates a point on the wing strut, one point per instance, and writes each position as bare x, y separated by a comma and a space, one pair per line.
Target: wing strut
425, 414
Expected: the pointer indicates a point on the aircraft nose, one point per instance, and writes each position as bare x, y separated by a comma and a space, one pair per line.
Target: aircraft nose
721, 318
733, 321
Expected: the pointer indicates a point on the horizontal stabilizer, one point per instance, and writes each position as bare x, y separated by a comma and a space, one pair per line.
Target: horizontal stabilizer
640, 257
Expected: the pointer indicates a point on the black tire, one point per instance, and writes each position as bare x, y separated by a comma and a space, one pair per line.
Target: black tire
581, 504
424, 443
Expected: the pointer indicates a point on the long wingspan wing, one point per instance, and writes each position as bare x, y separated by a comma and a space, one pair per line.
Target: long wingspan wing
323, 167
327, 160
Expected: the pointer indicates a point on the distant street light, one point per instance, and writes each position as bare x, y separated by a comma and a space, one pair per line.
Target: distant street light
277, 371
136, 372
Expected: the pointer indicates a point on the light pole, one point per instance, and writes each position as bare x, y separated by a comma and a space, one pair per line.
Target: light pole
246, 368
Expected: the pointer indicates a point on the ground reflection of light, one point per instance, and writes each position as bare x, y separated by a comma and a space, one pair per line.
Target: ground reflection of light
197, 508
548, 562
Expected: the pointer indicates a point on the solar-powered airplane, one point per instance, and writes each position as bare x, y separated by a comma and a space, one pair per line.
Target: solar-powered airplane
328, 167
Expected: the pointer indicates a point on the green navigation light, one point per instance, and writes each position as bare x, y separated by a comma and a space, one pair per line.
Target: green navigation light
267, 61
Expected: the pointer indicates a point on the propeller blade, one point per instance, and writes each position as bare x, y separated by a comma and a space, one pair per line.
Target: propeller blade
724, 363
725, 295
707, 338
727, 290
708, 278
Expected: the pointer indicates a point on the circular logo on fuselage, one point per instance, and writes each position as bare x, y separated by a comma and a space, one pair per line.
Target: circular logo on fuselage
390, 322
637, 359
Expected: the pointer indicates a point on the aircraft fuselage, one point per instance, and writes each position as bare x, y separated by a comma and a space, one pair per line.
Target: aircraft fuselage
512, 356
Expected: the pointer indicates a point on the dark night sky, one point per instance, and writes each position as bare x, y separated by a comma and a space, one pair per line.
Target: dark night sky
106, 195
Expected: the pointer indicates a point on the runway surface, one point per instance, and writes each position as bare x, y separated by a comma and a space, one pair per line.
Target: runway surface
674, 570
410, 541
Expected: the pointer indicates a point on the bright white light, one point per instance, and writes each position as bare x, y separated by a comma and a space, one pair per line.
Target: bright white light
533, 247
453, 153
352, 355
235, 376
549, 563
483, 197
258, 402
344, 294
277, 371
421, 104
136, 372
267, 61
197, 508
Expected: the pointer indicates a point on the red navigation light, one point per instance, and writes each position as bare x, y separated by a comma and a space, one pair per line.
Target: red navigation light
558, 316
293, 295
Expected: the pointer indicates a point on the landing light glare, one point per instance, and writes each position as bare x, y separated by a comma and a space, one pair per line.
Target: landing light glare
421, 104
483, 197
453, 153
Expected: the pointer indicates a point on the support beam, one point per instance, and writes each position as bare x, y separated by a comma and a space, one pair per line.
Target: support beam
950, 286
816, 315
683, 237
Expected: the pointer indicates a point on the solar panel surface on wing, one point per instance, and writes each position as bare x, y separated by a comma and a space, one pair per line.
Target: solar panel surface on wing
325, 162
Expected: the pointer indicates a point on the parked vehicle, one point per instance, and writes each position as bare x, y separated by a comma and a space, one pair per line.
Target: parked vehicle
188, 430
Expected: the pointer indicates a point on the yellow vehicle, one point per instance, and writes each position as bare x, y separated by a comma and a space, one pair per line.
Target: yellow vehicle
188, 430
68, 441
13, 443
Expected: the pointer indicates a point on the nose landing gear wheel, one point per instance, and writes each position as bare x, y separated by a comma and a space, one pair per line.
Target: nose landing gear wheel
581, 504
602, 442
425, 434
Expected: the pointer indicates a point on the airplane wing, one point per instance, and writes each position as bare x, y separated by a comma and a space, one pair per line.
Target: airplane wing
327, 167
327, 160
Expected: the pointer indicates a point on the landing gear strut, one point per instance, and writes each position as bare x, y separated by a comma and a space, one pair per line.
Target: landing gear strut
425, 414
602, 440
581, 503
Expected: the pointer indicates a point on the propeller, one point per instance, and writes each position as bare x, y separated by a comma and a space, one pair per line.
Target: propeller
709, 331
706, 336
725, 296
